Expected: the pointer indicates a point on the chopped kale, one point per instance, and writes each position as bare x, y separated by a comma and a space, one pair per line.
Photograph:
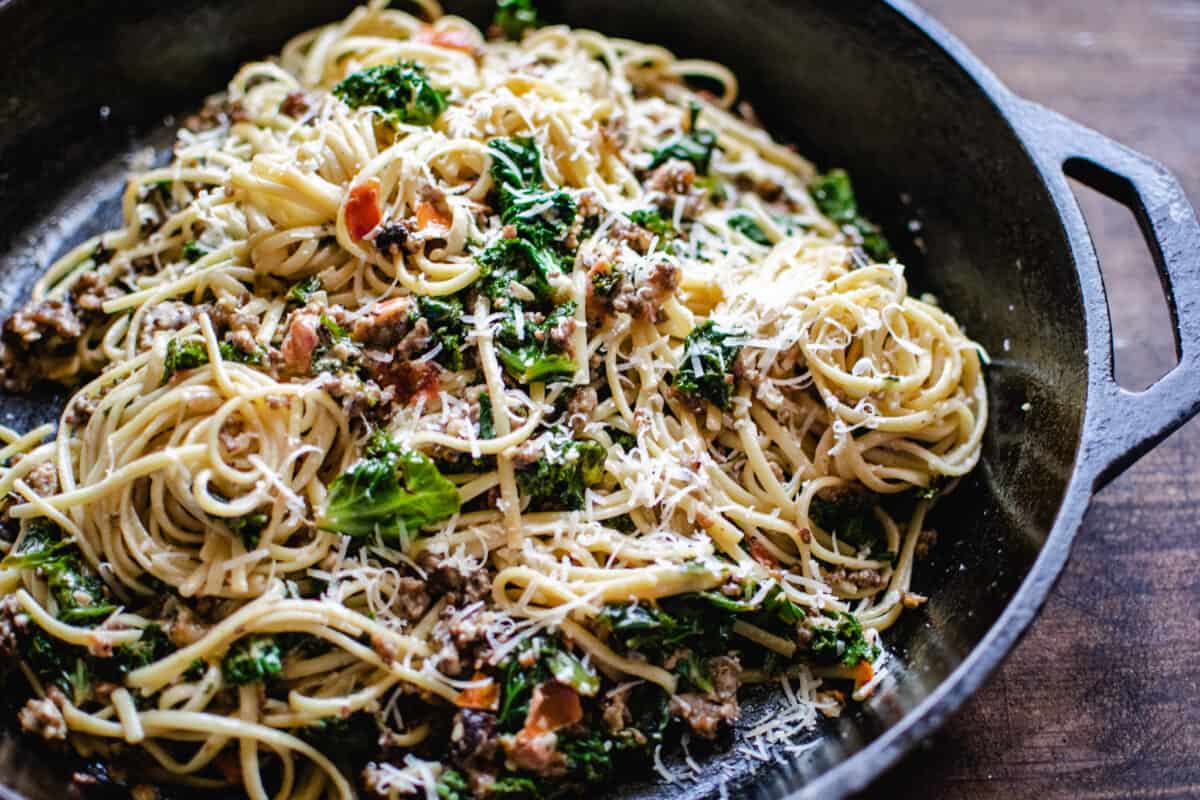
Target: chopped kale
515, 787
250, 660
183, 354
565, 470
389, 490
300, 292
851, 518
44, 542
744, 224
508, 261
153, 646
687, 620
514, 17
843, 642
834, 196
695, 145
487, 424
535, 661
623, 439
77, 592
194, 251
444, 317
236, 354
529, 352
452, 785
706, 370
348, 739
516, 162
401, 91
249, 528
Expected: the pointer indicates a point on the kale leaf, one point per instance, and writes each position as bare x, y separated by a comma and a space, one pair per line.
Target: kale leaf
835, 198
452, 785
250, 660
402, 91
744, 224
706, 370
843, 642
77, 592
565, 470
514, 17
532, 663
300, 292
183, 354
240, 356
444, 317
851, 518
389, 490
249, 527
508, 261
695, 145
351, 738
194, 251
531, 354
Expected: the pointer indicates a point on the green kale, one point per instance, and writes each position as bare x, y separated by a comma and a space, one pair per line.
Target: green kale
300, 292
744, 224
401, 91
249, 527
194, 251
566, 469
195, 670
236, 354
508, 261
652, 220
605, 282
43, 543
78, 593
532, 663
516, 163
706, 370
515, 787
514, 17
542, 217
851, 518
56, 663
153, 646
835, 198
688, 620
331, 336
183, 354
389, 490
623, 439
695, 670
452, 785
487, 423
531, 354
250, 660
843, 642
695, 145
444, 317
347, 739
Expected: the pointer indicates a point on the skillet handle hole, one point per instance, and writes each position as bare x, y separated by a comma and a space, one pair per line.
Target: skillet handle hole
1144, 339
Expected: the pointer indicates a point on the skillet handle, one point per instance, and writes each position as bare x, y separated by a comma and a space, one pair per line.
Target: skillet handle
1122, 426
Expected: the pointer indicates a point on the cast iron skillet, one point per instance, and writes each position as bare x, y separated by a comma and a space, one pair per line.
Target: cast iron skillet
878, 87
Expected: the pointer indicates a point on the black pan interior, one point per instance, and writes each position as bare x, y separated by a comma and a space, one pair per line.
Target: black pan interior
853, 83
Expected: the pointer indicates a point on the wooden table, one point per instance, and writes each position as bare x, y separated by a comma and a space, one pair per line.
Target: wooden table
1102, 697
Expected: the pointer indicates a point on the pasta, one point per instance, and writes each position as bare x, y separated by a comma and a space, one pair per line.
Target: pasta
466, 415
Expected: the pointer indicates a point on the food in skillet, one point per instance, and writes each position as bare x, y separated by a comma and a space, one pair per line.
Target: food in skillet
459, 417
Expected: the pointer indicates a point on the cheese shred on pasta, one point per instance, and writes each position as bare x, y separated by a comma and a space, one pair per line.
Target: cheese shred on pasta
455, 412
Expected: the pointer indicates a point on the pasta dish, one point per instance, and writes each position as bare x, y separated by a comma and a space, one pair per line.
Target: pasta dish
461, 414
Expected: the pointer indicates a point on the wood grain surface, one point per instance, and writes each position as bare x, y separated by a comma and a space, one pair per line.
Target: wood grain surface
1102, 697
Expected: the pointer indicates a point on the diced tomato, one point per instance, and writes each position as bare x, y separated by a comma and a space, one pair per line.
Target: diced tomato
484, 698
863, 672
428, 215
554, 705
450, 38
362, 208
